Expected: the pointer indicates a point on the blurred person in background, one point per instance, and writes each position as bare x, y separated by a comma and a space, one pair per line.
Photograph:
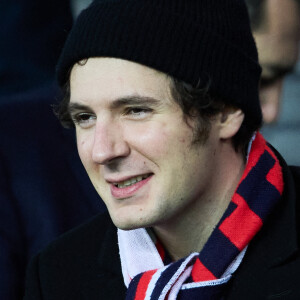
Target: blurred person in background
31, 38
44, 189
276, 29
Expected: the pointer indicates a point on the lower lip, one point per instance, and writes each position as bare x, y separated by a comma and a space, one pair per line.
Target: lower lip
126, 192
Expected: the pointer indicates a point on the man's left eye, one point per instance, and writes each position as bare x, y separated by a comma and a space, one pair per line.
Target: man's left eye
84, 120
138, 111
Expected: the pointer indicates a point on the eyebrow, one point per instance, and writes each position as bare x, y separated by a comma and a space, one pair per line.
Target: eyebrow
119, 102
73, 107
135, 100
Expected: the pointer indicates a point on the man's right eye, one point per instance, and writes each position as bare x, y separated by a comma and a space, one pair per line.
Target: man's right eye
84, 120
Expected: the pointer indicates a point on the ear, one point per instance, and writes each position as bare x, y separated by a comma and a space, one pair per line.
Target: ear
230, 122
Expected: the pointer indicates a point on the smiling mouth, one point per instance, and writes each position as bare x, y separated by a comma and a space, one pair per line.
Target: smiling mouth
131, 181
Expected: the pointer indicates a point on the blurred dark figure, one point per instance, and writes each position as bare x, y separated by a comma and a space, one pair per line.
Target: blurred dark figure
32, 34
44, 190
276, 28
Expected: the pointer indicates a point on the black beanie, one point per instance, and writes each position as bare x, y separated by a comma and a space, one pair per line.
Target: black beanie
196, 41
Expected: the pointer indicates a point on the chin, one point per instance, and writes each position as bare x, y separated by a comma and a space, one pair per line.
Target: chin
127, 225
130, 223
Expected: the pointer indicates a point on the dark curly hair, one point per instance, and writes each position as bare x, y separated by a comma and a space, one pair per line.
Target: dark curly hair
200, 103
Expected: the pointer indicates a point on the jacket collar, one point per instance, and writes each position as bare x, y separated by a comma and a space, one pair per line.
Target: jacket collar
106, 280
109, 259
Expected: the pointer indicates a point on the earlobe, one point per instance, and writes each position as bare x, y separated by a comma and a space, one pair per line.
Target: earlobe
230, 122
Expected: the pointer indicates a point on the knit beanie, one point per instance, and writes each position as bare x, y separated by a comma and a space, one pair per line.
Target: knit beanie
199, 42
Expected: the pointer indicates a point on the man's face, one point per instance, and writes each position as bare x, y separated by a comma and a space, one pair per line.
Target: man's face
277, 41
135, 145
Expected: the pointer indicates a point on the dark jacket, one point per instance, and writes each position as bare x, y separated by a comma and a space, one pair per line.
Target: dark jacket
85, 264
44, 189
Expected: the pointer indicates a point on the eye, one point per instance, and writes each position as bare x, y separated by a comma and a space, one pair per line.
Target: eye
138, 112
84, 120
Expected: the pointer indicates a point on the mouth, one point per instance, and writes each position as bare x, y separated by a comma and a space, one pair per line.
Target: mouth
130, 186
131, 181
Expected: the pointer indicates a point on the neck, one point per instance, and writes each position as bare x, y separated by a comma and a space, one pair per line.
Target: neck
189, 232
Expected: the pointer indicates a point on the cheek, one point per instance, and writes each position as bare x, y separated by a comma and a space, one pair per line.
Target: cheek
162, 140
84, 147
152, 141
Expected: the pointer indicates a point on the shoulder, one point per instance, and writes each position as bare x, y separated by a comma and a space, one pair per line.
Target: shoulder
78, 263
296, 172
292, 185
82, 240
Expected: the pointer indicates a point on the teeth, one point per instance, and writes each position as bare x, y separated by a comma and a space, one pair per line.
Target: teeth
131, 181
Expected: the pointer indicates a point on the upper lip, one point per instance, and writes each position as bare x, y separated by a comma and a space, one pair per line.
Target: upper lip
124, 178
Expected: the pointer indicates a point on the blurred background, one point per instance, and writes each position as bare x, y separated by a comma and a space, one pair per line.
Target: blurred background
276, 29
284, 133
44, 190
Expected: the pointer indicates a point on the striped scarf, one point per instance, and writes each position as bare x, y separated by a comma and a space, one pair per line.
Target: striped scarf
149, 275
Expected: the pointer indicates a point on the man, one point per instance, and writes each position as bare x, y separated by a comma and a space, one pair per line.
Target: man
164, 98
276, 29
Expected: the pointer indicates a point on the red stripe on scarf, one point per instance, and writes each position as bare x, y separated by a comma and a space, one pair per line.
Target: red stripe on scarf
257, 149
160, 249
275, 174
201, 273
143, 285
246, 230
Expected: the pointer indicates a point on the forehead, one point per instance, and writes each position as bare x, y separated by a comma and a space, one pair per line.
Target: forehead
110, 78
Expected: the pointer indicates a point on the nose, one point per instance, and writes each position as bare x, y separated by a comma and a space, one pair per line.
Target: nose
109, 143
